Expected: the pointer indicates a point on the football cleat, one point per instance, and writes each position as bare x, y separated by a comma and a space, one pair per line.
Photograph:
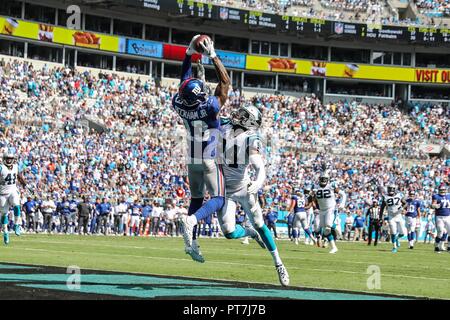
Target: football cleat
394, 250
245, 241
6, 238
296, 241
188, 230
411, 247
17, 229
195, 255
334, 250
437, 250
283, 275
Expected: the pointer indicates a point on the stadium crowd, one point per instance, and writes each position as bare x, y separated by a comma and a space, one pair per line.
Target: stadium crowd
135, 162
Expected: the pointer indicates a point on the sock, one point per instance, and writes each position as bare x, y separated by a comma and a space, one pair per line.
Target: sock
5, 222
17, 219
394, 240
444, 237
196, 203
409, 236
267, 238
413, 235
308, 232
295, 233
332, 244
211, 206
276, 257
238, 232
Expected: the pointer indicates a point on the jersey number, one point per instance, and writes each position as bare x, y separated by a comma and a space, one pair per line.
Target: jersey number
323, 194
445, 204
393, 201
10, 179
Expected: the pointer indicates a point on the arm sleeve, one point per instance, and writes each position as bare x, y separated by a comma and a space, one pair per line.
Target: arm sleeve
186, 68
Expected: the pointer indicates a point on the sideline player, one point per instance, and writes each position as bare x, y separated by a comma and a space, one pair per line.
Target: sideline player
243, 150
9, 194
199, 112
300, 205
394, 203
413, 215
441, 204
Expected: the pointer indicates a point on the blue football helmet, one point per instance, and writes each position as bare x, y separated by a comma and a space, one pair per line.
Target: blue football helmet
192, 92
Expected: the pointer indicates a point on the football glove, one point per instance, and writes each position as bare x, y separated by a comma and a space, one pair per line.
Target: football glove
208, 48
191, 49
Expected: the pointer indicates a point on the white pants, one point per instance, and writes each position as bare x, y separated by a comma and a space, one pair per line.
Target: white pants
301, 220
327, 218
411, 224
9, 200
397, 224
442, 225
316, 223
134, 221
249, 204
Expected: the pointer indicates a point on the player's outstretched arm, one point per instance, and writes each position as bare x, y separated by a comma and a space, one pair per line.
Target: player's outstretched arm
186, 68
224, 79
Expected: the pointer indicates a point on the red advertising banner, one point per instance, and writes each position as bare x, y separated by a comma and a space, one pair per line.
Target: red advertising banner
174, 52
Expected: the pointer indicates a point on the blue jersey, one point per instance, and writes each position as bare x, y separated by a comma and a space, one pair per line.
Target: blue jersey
64, 208
146, 211
30, 206
444, 202
73, 206
299, 204
136, 209
198, 120
412, 207
103, 208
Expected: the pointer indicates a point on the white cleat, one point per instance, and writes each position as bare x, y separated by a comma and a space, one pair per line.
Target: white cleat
283, 275
188, 230
334, 250
245, 241
296, 241
195, 253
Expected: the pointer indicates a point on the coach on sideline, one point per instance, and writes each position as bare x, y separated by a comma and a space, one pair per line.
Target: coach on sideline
84, 208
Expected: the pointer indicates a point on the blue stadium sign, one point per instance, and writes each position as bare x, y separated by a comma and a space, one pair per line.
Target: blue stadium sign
229, 59
145, 48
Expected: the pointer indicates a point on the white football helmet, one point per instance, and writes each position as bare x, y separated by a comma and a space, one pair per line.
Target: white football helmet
248, 117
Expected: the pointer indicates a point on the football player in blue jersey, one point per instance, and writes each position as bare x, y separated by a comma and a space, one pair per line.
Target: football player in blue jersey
300, 205
413, 214
200, 115
441, 206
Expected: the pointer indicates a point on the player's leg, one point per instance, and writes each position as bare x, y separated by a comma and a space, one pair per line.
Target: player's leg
14, 201
447, 227
227, 221
296, 224
411, 229
329, 225
393, 231
306, 228
196, 186
253, 210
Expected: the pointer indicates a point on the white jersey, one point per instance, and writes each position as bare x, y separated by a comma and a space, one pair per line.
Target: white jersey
8, 178
236, 157
393, 204
326, 199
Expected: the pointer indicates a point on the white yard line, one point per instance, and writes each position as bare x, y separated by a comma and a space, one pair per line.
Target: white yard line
231, 263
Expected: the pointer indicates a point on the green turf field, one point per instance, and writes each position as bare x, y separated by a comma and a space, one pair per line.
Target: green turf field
419, 272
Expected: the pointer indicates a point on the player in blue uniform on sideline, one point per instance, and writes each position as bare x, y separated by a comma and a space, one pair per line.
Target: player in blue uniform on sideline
413, 214
441, 205
200, 114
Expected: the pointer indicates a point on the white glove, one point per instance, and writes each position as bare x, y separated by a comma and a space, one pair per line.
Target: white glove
208, 48
253, 187
191, 49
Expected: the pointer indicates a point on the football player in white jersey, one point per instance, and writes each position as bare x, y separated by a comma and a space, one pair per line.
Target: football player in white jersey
394, 203
325, 198
9, 193
241, 152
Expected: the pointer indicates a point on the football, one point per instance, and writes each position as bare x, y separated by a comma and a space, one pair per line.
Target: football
200, 39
